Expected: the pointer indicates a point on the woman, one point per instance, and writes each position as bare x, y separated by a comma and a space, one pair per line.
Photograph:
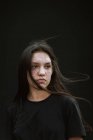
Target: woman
43, 109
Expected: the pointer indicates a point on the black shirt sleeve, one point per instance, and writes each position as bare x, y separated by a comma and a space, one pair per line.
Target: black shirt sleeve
73, 119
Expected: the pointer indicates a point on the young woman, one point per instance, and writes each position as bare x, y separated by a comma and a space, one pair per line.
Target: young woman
43, 109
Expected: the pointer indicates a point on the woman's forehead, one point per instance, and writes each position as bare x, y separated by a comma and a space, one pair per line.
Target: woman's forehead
41, 57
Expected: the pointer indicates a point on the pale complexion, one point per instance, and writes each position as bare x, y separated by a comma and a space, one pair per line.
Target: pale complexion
41, 72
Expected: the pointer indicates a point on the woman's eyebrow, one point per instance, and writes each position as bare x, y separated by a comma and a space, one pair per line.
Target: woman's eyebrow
39, 63
48, 63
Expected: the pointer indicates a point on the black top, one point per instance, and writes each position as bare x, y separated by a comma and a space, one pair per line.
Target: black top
55, 118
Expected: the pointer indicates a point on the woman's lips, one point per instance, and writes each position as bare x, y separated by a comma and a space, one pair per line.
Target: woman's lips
41, 81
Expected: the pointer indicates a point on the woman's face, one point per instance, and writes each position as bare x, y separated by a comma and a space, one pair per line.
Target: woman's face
41, 70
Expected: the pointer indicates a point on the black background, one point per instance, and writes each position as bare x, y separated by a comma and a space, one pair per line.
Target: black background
71, 25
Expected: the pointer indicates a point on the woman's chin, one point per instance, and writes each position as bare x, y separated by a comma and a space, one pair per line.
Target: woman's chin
43, 86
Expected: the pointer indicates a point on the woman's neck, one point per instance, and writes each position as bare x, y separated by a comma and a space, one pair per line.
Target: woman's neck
37, 95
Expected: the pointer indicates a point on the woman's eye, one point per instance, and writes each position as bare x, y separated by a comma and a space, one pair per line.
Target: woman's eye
48, 66
34, 67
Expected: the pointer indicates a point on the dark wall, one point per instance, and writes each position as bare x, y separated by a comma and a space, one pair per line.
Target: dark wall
24, 21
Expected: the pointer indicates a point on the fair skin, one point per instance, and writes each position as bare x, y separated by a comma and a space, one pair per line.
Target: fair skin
41, 72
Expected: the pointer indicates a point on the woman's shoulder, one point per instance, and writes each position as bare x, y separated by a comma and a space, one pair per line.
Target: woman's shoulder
15, 106
67, 99
11, 107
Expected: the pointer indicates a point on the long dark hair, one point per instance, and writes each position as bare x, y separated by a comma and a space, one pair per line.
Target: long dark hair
57, 84
58, 80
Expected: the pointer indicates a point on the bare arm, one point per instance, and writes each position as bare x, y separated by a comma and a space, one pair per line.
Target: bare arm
75, 138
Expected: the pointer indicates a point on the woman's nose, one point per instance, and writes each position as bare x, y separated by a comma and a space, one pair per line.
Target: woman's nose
41, 71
